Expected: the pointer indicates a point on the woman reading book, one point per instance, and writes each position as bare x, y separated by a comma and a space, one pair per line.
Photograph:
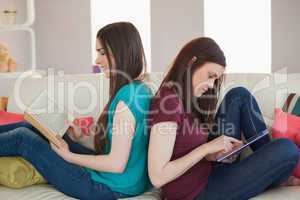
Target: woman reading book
188, 135
118, 166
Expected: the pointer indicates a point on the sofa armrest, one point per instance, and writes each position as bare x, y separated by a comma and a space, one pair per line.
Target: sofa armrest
3, 103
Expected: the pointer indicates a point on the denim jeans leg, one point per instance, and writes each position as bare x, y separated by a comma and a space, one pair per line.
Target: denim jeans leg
12, 126
74, 147
68, 178
239, 113
272, 163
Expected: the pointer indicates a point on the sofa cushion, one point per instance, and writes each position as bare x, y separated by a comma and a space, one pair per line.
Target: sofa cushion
16, 172
48, 192
285, 125
281, 193
8, 118
292, 104
270, 90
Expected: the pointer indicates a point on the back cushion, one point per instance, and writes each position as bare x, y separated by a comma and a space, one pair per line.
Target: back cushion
82, 95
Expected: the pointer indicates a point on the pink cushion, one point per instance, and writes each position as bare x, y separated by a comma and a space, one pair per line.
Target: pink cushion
9, 118
286, 126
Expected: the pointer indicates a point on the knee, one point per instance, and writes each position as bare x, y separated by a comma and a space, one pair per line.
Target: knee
286, 150
25, 124
26, 135
239, 92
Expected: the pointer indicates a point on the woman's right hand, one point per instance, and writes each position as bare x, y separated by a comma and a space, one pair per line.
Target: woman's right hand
222, 144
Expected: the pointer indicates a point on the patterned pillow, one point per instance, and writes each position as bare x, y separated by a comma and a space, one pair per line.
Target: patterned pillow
292, 104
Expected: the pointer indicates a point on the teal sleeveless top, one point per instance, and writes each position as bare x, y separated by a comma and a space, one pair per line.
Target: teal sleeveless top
134, 180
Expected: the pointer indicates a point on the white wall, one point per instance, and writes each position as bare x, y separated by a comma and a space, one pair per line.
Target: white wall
244, 36
64, 36
139, 15
286, 35
173, 23
63, 31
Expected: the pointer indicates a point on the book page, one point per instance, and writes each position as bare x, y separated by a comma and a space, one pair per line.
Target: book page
46, 111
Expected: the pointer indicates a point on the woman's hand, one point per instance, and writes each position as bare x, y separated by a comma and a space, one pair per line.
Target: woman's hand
62, 150
220, 146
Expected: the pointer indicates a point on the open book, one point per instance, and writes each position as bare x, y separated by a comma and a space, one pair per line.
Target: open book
44, 115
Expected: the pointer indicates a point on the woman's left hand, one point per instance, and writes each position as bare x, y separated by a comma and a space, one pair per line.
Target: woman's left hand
62, 150
230, 159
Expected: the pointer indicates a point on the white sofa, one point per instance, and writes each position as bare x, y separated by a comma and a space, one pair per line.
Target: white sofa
269, 89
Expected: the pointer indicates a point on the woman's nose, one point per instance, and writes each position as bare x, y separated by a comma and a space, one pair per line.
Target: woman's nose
97, 61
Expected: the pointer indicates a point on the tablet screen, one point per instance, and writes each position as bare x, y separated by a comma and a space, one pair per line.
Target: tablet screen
250, 141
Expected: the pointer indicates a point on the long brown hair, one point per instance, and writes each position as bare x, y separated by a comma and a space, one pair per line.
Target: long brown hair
192, 56
123, 41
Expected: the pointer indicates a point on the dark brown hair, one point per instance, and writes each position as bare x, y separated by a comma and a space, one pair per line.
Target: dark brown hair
192, 56
123, 41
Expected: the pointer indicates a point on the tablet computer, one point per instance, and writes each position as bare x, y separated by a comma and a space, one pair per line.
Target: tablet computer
250, 141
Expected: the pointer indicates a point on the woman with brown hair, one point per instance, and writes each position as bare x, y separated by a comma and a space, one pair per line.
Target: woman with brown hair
118, 168
188, 134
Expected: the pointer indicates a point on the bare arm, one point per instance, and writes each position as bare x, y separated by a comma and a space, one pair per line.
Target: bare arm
122, 133
162, 140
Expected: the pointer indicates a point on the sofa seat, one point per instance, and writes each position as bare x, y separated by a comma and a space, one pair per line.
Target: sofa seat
270, 90
280, 193
48, 192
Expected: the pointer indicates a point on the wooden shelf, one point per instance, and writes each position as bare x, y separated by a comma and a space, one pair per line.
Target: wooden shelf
24, 27
14, 75
30, 16
15, 27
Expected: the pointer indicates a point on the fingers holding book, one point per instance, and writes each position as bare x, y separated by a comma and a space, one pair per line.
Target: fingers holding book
62, 149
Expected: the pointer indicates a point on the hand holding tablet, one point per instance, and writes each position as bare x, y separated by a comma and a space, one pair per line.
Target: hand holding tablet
239, 149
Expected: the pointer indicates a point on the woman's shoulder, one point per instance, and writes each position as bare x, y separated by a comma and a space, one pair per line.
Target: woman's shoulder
166, 97
166, 93
137, 97
134, 88
166, 106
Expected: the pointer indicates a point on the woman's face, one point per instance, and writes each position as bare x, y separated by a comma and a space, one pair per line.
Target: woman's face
102, 59
205, 76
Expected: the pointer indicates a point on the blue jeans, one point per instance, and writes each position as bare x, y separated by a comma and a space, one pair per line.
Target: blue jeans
271, 163
22, 139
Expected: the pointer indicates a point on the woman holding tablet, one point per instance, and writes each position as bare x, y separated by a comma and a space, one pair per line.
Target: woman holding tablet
187, 134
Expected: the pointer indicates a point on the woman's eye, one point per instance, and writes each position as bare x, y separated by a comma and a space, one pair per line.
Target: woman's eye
101, 51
